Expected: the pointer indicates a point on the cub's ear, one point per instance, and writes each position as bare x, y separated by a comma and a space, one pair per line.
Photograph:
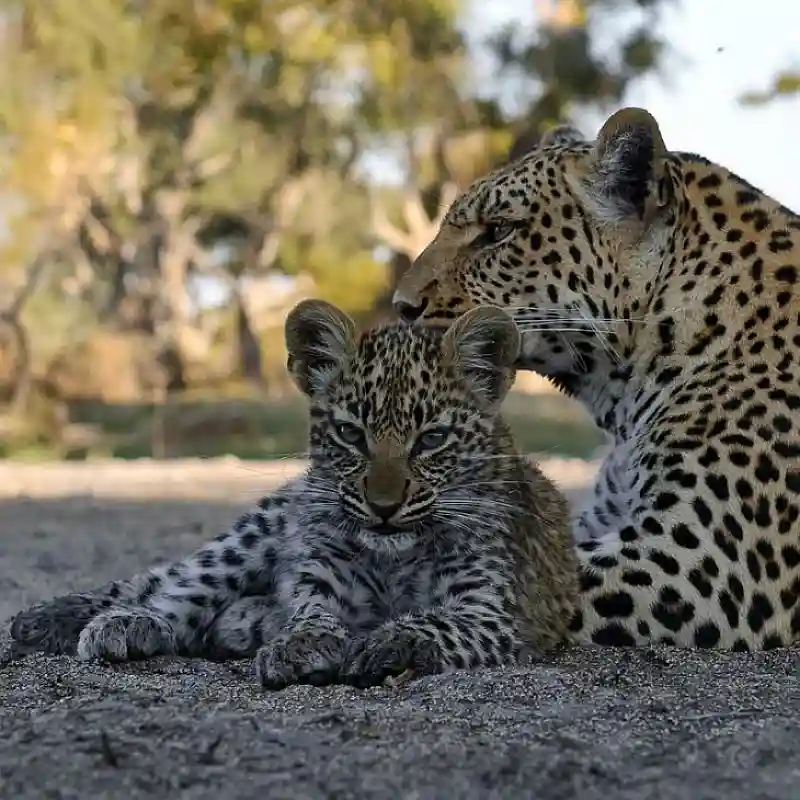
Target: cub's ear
628, 180
483, 345
564, 135
319, 339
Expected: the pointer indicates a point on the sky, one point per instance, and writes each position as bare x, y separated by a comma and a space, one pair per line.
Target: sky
719, 49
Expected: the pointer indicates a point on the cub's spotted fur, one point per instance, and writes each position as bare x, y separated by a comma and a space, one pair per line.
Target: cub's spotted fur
418, 539
663, 292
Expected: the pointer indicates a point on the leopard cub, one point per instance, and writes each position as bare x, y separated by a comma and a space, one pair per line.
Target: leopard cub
418, 539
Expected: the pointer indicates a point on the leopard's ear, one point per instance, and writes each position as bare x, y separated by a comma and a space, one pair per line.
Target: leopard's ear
483, 345
627, 178
320, 340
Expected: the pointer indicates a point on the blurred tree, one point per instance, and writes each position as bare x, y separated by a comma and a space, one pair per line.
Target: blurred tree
155, 153
191, 141
583, 56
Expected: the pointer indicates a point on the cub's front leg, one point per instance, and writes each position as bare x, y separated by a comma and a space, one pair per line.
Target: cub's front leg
469, 623
325, 603
310, 650
177, 604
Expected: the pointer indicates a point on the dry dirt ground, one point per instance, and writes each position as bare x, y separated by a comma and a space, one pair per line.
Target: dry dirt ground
587, 724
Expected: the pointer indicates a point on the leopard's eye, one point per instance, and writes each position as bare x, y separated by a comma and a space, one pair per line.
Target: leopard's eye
350, 433
432, 439
494, 233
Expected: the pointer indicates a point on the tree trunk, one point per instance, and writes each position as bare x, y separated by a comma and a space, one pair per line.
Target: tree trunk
248, 346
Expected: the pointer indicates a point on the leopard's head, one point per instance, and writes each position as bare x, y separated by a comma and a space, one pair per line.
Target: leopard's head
570, 240
404, 426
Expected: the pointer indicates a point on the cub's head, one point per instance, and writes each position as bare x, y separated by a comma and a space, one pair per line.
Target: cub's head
404, 427
570, 239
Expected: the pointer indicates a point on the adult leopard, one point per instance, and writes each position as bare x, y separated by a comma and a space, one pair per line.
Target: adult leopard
663, 292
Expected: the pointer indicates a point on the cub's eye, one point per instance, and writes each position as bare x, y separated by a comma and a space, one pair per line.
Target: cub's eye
494, 232
350, 433
432, 439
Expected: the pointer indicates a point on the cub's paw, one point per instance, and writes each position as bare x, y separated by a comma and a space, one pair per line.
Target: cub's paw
388, 653
126, 635
307, 655
54, 626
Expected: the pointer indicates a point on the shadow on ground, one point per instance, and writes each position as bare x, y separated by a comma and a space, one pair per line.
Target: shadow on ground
52, 546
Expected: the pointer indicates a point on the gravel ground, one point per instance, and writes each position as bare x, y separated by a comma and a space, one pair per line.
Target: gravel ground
587, 724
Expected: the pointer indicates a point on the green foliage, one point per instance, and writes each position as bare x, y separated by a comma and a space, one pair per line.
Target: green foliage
569, 65
784, 85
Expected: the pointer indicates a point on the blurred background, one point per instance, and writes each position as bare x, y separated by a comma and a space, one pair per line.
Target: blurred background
175, 175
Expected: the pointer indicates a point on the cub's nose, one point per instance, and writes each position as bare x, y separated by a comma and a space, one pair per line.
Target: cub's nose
408, 311
384, 509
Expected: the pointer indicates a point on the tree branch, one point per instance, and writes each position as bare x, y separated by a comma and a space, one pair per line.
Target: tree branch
33, 277
419, 227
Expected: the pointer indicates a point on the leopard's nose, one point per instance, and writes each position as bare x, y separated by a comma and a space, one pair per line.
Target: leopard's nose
384, 509
384, 497
408, 310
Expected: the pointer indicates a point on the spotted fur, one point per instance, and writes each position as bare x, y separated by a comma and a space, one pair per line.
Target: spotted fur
663, 292
418, 538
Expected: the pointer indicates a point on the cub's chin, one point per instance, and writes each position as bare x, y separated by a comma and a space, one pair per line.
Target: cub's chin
387, 539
